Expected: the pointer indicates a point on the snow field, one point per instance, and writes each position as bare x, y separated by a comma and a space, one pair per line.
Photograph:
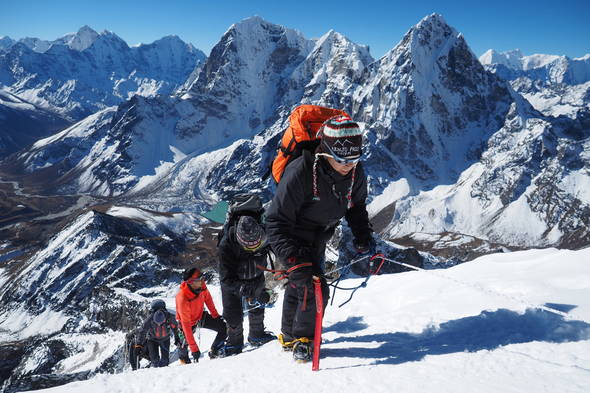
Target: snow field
468, 328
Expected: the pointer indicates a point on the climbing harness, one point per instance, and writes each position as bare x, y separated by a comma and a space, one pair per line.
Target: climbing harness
281, 274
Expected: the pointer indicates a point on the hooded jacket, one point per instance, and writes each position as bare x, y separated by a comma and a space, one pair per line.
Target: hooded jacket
299, 225
189, 310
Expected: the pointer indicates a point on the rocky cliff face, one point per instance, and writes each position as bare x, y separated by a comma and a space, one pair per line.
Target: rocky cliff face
522, 191
429, 106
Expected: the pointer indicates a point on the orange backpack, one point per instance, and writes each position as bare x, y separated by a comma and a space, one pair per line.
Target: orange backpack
304, 123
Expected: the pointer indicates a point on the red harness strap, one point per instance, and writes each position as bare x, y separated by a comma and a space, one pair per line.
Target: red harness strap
282, 274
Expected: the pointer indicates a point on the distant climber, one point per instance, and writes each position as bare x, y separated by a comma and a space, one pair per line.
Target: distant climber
135, 349
156, 331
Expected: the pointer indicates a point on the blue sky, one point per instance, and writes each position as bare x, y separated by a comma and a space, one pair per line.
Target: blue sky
552, 27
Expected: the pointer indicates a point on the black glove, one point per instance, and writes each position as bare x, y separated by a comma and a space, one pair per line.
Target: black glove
247, 289
196, 356
263, 297
301, 277
221, 320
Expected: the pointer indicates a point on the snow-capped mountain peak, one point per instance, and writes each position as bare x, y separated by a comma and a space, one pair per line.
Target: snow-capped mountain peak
81, 73
83, 39
78, 41
256, 26
515, 59
338, 47
242, 75
430, 39
6, 42
108, 39
543, 67
36, 44
554, 85
510, 58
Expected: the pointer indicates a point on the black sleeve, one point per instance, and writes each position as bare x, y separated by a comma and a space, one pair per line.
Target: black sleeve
228, 263
145, 327
357, 216
282, 213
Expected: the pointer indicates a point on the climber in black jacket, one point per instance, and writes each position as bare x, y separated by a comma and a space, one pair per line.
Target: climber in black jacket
243, 253
316, 191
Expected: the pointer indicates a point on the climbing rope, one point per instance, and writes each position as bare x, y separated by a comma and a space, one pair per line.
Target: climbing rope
435, 273
372, 272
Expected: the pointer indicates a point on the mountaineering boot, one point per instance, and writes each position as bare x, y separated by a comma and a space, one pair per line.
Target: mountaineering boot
224, 349
184, 361
229, 350
215, 350
287, 342
302, 350
257, 340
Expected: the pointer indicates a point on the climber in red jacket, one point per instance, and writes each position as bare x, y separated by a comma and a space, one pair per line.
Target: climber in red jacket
190, 301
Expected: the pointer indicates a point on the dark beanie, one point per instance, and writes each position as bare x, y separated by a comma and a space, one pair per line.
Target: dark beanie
341, 136
249, 233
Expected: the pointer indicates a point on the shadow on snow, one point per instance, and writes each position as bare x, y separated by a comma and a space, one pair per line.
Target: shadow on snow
486, 331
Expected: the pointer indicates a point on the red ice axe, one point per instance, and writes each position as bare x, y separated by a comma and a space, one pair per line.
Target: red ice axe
319, 314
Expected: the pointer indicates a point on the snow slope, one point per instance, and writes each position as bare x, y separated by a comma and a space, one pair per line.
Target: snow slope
22, 123
472, 327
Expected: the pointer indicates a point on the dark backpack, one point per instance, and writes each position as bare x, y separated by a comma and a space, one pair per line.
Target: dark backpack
244, 204
159, 329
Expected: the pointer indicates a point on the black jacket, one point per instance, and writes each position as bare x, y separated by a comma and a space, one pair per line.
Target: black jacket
299, 226
236, 265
